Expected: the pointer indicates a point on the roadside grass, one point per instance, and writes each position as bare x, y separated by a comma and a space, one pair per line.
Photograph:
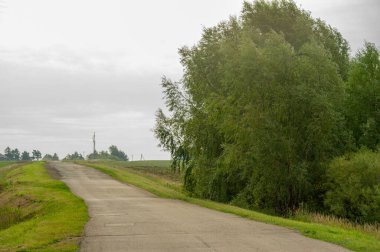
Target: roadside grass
38, 213
332, 220
351, 237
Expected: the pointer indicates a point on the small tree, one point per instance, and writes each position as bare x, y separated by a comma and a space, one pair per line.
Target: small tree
36, 154
25, 156
74, 156
15, 155
114, 151
51, 157
8, 153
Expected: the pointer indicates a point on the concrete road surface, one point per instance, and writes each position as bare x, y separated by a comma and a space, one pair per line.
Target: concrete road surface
126, 218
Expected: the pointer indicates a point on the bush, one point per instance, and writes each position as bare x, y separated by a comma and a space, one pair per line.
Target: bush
354, 186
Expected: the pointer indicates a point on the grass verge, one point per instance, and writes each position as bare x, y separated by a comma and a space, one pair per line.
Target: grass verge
349, 237
38, 213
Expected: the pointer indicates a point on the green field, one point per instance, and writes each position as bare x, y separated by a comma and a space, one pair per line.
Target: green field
6, 163
354, 238
159, 168
38, 213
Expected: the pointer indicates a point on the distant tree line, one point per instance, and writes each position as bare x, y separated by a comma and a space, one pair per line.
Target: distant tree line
75, 156
15, 155
113, 153
49, 157
272, 113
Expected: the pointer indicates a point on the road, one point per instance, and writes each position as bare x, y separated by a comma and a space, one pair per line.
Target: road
126, 218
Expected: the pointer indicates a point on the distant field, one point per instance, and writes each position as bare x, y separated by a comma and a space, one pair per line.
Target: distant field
6, 163
351, 237
160, 168
38, 213
164, 164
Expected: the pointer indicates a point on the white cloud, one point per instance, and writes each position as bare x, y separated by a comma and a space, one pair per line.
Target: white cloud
68, 68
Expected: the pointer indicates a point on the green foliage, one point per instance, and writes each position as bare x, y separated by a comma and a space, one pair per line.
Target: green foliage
14, 155
170, 131
25, 156
36, 154
49, 157
119, 154
10, 154
354, 186
113, 154
257, 112
363, 99
74, 156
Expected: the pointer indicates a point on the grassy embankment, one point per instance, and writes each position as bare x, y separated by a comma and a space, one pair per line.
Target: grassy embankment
330, 229
38, 213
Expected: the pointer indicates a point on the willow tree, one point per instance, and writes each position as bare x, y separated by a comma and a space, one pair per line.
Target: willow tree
363, 100
257, 112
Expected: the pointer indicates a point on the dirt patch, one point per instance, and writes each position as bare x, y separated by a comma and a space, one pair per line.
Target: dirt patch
52, 171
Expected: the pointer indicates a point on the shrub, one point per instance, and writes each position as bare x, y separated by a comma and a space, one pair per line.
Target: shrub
354, 186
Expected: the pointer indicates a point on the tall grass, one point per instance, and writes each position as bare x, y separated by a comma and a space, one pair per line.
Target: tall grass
9, 216
331, 220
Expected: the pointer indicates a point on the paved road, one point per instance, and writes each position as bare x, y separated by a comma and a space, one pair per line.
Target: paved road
125, 218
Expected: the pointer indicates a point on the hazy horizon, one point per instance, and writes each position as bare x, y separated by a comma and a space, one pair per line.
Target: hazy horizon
69, 68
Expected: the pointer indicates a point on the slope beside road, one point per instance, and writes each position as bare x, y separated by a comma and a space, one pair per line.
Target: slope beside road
126, 218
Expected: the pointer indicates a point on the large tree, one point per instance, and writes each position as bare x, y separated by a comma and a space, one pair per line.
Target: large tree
258, 110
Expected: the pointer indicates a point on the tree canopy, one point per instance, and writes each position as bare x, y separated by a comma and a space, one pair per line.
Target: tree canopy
260, 109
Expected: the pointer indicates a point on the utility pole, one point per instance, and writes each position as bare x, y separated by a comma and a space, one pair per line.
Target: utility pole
93, 141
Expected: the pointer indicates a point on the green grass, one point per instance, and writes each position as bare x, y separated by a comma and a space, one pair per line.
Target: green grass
150, 163
350, 238
159, 168
39, 213
6, 163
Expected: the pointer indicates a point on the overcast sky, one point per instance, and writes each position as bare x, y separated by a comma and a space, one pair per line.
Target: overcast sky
69, 68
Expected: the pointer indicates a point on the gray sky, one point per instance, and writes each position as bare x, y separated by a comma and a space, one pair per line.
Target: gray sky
68, 68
